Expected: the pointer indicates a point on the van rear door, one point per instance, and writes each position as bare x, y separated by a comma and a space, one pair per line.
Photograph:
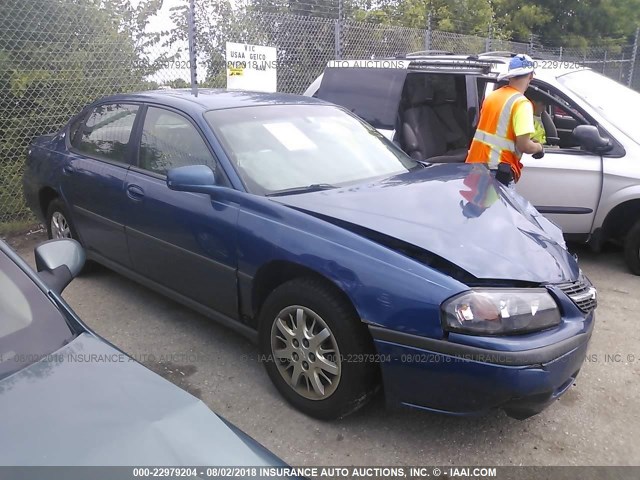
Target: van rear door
372, 89
369, 88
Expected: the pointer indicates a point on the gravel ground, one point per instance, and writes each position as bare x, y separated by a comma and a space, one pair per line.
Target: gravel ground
595, 423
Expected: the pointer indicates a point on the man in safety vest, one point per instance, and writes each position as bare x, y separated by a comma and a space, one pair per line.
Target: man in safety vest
506, 122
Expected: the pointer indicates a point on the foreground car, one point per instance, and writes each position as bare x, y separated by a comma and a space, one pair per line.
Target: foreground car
588, 183
67, 397
300, 226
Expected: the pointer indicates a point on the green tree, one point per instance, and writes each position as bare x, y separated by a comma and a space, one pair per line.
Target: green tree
56, 56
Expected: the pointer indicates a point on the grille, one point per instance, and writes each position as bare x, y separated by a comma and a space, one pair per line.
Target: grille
582, 293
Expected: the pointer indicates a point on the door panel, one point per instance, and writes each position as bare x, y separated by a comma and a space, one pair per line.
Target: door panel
93, 179
564, 186
184, 241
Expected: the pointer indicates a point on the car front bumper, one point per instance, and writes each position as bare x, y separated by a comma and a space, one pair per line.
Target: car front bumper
445, 377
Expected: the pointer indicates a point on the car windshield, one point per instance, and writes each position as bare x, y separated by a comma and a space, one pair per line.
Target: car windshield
31, 327
292, 148
611, 99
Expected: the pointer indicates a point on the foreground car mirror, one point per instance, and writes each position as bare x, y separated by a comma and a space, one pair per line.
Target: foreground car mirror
589, 138
192, 178
58, 262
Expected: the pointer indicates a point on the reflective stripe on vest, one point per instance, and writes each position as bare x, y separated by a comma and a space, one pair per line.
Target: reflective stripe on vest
496, 144
499, 141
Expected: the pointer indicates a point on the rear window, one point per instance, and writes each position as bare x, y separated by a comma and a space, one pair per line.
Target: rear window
372, 94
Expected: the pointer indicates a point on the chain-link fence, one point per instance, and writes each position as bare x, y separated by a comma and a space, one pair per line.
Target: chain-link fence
58, 55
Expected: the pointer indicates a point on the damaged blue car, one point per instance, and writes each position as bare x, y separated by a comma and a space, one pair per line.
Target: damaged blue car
350, 264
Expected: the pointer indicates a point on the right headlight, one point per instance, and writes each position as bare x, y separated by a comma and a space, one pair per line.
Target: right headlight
500, 311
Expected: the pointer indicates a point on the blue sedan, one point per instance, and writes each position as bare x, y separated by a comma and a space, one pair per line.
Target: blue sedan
350, 264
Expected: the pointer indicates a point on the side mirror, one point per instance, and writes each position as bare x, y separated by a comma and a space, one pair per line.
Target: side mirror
589, 138
58, 262
192, 178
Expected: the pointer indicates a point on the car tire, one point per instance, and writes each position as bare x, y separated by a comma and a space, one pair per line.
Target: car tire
59, 225
309, 330
59, 222
632, 249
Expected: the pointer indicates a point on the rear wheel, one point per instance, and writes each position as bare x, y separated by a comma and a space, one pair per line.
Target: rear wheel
318, 353
59, 226
632, 248
58, 221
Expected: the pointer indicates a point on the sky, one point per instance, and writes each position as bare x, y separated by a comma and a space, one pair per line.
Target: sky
162, 22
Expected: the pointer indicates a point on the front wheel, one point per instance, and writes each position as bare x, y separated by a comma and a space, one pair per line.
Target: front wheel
632, 249
317, 351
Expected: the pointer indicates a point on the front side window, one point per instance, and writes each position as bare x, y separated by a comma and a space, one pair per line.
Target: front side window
31, 327
280, 147
107, 132
169, 140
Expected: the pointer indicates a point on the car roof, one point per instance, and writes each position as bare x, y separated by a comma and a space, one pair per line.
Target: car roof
211, 99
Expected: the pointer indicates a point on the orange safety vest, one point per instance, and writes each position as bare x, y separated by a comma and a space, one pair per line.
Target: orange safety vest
495, 140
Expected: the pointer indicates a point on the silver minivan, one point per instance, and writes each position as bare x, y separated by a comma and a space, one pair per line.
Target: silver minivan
588, 182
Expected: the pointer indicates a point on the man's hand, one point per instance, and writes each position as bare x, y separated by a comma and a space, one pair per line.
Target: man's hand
540, 153
524, 144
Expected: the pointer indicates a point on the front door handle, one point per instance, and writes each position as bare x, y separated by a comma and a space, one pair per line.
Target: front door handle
135, 192
68, 170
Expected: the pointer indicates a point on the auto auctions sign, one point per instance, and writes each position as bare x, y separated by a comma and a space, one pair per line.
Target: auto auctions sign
251, 67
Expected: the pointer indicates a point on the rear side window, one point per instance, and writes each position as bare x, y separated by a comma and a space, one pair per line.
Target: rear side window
371, 93
106, 133
169, 140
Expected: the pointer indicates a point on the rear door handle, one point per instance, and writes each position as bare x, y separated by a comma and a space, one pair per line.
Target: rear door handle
135, 192
68, 170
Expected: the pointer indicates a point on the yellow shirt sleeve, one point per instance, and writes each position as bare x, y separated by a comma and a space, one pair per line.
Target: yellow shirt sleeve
523, 118
540, 134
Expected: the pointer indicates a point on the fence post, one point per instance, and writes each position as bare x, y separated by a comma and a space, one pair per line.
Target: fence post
604, 63
192, 47
530, 46
338, 30
488, 43
621, 65
428, 39
560, 59
632, 67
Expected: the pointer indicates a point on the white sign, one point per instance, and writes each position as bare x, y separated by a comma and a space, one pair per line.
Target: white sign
251, 67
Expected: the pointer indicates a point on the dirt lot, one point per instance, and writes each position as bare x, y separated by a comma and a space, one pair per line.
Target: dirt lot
595, 423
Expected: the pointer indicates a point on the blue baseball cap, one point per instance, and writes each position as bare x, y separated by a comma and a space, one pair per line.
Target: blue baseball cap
519, 65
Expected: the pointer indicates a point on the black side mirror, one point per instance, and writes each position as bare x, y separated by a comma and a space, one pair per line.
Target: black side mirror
192, 178
589, 138
58, 262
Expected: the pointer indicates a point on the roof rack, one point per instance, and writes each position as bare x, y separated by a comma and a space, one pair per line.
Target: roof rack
451, 65
498, 53
428, 52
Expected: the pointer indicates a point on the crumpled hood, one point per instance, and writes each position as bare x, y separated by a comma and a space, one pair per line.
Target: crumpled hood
456, 211
89, 404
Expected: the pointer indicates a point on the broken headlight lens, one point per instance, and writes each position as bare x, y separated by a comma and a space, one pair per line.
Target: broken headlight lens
500, 311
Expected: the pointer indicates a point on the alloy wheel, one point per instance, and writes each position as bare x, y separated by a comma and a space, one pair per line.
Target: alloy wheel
306, 352
60, 226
